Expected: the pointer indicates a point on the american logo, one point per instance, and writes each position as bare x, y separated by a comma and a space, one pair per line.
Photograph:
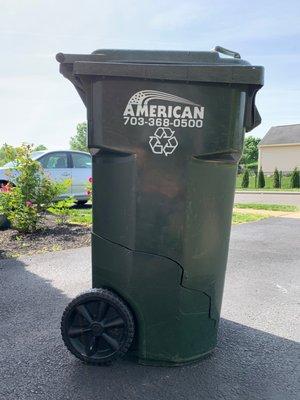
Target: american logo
163, 111
145, 108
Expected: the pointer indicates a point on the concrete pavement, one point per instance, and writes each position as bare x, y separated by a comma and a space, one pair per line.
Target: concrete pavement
256, 354
268, 198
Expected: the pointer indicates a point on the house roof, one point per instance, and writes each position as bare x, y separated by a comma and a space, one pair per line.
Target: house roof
285, 134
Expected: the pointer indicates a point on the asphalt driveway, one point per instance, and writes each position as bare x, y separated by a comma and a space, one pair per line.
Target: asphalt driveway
257, 349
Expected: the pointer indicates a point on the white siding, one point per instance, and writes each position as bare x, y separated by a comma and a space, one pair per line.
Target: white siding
284, 157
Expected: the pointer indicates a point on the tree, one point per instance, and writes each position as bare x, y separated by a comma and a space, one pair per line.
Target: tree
276, 179
79, 141
245, 180
39, 147
295, 179
250, 151
261, 179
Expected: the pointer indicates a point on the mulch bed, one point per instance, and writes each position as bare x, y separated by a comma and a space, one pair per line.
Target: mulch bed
51, 237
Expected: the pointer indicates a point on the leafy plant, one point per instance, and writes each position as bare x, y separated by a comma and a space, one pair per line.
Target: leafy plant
276, 179
5, 153
32, 192
261, 179
245, 181
7, 150
295, 179
89, 188
62, 210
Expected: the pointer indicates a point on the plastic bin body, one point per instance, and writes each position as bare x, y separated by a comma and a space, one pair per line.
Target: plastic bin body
166, 137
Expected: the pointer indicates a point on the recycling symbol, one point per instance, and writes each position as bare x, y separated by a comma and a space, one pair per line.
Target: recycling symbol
163, 141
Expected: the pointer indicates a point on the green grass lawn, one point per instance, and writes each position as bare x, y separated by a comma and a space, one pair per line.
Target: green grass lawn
269, 207
239, 218
285, 183
81, 216
266, 190
84, 216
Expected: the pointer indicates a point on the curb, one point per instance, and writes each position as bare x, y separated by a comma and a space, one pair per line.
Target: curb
265, 192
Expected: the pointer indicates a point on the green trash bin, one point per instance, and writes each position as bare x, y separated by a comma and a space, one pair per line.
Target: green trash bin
166, 130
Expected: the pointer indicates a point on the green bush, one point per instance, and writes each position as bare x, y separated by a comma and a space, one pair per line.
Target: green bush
32, 192
276, 179
295, 179
89, 188
285, 182
261, 179
62, 210
245, 181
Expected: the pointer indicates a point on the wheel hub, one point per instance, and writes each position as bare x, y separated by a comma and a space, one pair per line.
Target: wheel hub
97, 328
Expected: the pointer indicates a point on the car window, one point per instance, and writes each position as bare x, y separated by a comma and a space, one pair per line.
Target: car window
81, 160
54, 161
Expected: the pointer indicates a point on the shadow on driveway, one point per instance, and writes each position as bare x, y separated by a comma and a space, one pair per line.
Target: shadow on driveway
248, 363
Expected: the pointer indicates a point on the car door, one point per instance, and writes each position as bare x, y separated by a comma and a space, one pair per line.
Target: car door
81, 172
57, 166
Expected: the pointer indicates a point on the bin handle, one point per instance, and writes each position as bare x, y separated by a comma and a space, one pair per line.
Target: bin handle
231, 53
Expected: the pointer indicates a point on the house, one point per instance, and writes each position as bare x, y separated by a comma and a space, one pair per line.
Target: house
280, 148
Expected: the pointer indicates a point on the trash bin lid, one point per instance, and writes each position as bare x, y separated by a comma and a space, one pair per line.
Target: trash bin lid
203, 66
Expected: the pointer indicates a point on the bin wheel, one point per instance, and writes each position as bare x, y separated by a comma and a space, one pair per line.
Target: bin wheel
97, 327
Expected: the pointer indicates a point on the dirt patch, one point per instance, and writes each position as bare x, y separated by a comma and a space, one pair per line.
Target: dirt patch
51, 237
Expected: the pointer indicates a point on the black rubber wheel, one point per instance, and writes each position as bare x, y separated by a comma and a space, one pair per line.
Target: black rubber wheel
81, 202
97, 327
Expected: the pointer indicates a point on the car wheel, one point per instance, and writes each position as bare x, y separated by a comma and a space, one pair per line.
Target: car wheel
81, 202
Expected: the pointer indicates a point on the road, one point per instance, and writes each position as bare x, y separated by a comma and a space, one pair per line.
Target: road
268, 198
256, 354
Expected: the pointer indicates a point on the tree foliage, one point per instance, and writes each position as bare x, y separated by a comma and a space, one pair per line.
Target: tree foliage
276, 179
79, 141
245, 180
295, 179
39, 147
261, 179
250, 151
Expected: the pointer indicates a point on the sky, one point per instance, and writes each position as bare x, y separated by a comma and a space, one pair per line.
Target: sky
38, 105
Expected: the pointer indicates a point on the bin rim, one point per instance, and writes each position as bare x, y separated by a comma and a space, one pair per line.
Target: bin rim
230, 74
164, 65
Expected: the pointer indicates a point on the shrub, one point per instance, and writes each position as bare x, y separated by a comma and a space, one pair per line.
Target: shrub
261, 179
245, 180
295, 179
276, 179
32, 192
89, 188
62, 209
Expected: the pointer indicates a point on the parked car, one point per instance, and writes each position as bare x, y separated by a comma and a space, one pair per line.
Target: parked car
61, 165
